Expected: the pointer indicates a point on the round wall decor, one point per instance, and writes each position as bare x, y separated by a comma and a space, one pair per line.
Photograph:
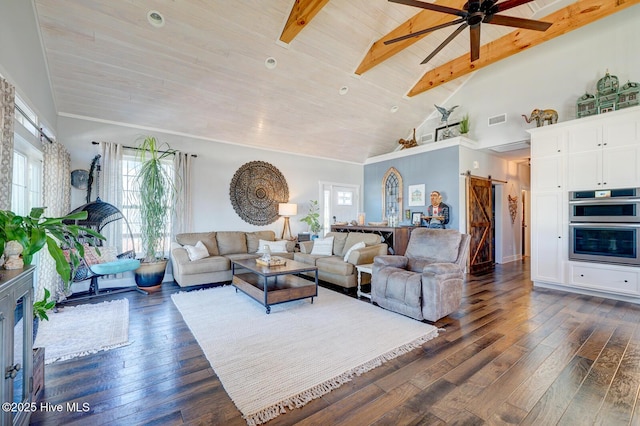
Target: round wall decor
256, 190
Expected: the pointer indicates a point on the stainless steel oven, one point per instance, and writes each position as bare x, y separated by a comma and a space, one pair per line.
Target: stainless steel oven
605, 206
605, 242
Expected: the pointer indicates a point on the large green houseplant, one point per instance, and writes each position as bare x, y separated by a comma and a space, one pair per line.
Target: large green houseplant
35, 231
156, 191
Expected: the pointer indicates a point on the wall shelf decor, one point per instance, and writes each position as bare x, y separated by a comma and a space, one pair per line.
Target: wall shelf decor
256, 190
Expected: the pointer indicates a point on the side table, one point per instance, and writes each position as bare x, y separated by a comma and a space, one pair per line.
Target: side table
367, 268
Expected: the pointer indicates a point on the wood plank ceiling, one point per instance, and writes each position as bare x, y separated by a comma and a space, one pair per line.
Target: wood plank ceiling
203, 73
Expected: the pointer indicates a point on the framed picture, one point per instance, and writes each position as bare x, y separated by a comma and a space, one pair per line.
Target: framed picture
416, 218
416, 195
444, 132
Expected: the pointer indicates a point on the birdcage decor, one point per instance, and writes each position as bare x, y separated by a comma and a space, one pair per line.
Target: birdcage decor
629, 95
586, 105
607, 93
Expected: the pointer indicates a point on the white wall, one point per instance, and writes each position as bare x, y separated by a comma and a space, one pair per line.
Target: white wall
551, 75
21, 58
213, 169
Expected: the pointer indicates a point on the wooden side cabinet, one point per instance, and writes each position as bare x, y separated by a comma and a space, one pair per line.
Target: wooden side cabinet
396, 238
16, 338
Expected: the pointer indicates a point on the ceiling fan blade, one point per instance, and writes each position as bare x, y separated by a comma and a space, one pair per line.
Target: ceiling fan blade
444, 43
419, 33
431, 6
512, 21
509, 4
474, 34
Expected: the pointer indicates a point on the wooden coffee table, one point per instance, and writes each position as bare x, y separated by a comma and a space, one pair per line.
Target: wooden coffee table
271, 285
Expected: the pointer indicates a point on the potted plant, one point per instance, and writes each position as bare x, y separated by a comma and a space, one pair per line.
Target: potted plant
157, 191
35, 231
464, 125
313, 218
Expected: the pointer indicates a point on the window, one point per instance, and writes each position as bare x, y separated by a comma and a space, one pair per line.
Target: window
131, 206
26, 190
26, 117
345, 198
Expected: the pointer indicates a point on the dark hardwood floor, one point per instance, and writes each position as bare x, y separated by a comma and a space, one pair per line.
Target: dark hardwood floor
510, 355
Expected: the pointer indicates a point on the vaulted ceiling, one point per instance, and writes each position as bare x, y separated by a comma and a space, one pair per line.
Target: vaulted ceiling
204, 72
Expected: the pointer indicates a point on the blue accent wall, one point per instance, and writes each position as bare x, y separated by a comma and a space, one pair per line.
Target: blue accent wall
438, 170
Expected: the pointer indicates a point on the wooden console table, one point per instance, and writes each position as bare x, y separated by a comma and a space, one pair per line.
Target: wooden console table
396, 238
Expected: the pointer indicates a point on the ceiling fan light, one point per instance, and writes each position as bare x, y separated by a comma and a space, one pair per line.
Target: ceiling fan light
270, 63
155, 18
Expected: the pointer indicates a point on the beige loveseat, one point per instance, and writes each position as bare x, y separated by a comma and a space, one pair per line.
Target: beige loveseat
333, 268
222, 247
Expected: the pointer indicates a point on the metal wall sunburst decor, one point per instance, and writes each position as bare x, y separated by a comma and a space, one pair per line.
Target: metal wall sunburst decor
256, 190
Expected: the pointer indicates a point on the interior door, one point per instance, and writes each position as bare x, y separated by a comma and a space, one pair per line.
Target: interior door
340, 203
480, 225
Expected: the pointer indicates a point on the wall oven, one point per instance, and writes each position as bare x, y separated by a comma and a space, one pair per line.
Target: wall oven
615, 205
604, 226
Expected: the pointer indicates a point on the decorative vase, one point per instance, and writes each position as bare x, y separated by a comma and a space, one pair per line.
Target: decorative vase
149, 275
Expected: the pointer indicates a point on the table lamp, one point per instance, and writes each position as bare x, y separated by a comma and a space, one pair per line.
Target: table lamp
287, 210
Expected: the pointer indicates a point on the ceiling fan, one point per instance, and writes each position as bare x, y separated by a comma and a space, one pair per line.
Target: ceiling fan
473, 13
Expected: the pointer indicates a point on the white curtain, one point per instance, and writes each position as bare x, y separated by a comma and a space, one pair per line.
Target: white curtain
7, 112
182, 214
110, 189
57, 200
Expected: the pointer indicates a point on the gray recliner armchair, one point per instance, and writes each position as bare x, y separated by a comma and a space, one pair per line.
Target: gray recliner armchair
425, 283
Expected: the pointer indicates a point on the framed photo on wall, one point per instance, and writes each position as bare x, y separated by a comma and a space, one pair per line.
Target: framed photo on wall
416, 195
416, 218
445, 132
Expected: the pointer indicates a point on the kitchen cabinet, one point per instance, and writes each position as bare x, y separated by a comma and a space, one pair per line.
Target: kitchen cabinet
548, 240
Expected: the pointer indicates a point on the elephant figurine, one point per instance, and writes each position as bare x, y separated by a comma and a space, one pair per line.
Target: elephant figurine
541, 116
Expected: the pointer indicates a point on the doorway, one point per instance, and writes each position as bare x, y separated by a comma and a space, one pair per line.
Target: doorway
340, 202
480, 224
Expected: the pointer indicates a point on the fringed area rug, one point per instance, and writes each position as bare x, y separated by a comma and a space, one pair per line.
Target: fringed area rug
81, 330
299, 352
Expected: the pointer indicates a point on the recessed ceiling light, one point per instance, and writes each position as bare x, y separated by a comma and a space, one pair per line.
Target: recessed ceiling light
343, 90
394, 108
270, 63
155, 18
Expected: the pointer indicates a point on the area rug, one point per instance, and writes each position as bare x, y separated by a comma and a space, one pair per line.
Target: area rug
299, 352
81, 330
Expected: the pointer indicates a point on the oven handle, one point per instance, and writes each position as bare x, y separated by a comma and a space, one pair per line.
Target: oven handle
605, 225
606, 201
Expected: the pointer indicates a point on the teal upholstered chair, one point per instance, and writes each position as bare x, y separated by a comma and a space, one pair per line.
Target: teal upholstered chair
427, 282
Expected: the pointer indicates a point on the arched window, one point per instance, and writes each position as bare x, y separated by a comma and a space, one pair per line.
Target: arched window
391, 194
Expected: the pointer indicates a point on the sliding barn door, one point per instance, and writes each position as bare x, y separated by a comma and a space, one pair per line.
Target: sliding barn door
480, 224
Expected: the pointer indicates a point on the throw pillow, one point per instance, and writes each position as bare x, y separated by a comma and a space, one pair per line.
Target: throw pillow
279, 246
356, 246
322, 246
199, 251
108, 254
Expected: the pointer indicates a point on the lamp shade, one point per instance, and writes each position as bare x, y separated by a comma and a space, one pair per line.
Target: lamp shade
286, 209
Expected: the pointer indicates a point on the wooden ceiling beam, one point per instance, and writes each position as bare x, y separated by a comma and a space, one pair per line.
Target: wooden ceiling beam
574, 16
301, 14
380, 52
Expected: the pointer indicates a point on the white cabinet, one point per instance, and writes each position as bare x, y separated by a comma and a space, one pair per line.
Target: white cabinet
590, 153
604, 153
548, 244
611, 279
605, 168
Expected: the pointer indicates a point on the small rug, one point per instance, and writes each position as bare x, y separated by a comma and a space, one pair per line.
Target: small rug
299, 352
81, 330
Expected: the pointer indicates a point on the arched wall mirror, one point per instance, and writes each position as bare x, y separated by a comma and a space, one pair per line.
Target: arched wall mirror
391, 194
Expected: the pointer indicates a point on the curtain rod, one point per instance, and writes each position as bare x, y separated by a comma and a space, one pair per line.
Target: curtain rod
39, 129
138, 149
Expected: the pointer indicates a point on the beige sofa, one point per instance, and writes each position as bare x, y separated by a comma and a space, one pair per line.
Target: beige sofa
222, 247
334, 269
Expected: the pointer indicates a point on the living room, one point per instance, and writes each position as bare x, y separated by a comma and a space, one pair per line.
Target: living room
552, 75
